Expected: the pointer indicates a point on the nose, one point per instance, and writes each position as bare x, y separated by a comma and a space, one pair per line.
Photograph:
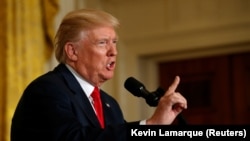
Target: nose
112, 49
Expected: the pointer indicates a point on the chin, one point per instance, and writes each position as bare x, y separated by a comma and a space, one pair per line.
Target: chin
108, 76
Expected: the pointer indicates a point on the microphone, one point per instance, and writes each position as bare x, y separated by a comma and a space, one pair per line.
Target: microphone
152, 98
139, 90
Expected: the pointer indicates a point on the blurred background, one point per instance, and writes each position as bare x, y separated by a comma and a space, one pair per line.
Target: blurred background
206, 43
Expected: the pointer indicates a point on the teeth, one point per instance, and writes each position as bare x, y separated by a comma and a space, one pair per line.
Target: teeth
110, 64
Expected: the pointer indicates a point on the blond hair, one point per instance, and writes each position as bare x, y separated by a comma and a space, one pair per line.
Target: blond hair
79, 21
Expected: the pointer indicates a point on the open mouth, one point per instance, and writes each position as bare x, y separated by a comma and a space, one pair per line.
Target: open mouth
111, 65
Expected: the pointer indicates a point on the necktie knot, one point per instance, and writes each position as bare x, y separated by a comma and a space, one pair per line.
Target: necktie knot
95, 94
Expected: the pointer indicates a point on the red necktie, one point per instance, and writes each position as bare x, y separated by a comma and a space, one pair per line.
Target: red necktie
98, 105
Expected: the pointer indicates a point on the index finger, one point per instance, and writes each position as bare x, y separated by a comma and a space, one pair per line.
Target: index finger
174, 85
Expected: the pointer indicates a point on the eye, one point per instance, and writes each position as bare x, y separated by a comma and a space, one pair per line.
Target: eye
115, 41
102, 42
106, 42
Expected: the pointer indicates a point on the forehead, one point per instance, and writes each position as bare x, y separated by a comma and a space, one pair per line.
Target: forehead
101, 32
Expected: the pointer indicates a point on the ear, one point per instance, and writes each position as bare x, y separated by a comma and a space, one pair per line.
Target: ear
71, 51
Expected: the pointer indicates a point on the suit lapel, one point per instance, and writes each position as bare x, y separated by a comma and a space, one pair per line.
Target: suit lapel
78, 96
106, 108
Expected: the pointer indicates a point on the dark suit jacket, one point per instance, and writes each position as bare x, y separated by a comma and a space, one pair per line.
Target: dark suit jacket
54, 108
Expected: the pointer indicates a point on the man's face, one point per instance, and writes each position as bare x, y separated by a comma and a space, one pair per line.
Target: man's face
97, 55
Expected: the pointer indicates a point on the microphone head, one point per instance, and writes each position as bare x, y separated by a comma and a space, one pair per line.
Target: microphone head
134, 86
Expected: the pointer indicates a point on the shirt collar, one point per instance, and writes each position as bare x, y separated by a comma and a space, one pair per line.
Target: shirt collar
87, 87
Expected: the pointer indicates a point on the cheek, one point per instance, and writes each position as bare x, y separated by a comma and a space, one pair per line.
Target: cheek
93, 61
93, 58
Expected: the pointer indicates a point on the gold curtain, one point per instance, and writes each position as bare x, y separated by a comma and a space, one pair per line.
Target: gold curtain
26, 36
